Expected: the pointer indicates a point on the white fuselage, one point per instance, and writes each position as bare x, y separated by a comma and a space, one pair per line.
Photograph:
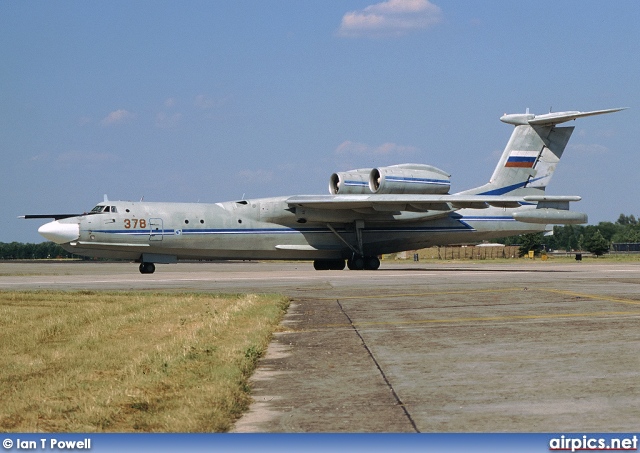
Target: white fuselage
261, 229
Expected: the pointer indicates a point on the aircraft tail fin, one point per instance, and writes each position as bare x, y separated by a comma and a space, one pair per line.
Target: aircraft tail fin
532, 153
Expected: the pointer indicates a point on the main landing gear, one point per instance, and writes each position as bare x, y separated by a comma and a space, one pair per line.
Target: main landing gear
147, 268
358, 263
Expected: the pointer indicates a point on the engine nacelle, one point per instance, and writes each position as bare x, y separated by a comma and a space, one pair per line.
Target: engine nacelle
350, 182
409, 179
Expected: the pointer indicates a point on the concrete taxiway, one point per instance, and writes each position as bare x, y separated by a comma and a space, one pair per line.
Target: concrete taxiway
457, 347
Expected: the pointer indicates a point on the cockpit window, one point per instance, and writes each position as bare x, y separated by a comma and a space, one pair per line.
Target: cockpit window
101, 208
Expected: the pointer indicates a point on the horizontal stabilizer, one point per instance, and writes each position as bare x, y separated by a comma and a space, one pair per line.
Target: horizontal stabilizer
549, 119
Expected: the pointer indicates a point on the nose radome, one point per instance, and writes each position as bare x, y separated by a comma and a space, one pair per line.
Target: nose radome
60, 233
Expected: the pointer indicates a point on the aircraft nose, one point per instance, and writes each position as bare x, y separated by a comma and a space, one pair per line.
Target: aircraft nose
60, 233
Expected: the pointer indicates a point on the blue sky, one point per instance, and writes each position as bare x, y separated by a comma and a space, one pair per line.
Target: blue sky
209, 101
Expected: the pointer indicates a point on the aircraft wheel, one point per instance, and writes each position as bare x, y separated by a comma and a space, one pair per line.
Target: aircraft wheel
355, 263
371, 263
320, 265
147, 268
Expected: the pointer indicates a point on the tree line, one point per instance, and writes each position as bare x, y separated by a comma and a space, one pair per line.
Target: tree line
596, 239
21, 251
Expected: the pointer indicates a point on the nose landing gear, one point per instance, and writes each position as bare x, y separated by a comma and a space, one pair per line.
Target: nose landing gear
147, 268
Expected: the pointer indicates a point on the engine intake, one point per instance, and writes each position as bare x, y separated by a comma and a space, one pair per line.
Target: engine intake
409, 179
350, 182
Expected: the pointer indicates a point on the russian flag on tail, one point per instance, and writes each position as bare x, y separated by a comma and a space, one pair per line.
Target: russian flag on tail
522, 159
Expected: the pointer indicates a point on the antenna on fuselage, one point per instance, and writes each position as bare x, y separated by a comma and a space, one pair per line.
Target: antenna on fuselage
141, 199
106, 198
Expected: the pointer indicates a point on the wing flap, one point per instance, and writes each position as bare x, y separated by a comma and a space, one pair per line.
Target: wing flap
462, 204
418, 203
389, 207
505, 204
434, 206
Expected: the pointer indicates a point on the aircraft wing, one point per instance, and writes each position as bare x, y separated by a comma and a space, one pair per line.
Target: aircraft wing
418, 203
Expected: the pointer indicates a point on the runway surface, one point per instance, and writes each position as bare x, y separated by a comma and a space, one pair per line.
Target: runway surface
457, 347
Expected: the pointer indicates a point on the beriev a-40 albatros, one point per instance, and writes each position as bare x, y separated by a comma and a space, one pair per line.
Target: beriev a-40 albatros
369, 212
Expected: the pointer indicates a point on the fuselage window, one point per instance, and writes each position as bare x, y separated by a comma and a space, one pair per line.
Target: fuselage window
113, 209
106, 209
97, 209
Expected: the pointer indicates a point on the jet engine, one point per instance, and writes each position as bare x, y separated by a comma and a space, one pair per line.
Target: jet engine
350, 182
409, 179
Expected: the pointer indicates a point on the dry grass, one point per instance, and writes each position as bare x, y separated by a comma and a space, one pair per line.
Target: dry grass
129, 361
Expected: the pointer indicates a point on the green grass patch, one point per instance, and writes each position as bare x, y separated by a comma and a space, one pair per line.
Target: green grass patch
92, 361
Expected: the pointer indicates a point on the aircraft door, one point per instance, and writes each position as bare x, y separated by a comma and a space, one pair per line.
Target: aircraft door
156, 229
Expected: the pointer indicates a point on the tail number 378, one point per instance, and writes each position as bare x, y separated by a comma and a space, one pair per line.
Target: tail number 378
135, 223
